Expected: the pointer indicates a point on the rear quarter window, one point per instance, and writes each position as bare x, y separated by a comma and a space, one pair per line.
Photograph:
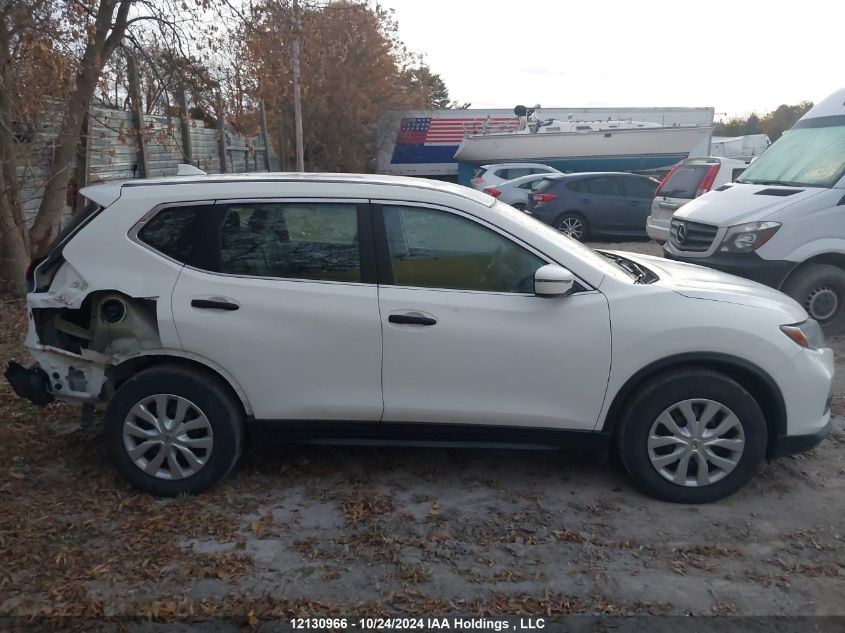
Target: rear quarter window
174, 232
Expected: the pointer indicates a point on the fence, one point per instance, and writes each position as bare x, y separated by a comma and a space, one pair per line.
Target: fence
112, 150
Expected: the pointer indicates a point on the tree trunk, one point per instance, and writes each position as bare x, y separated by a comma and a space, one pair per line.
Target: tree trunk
102, 43
14, 241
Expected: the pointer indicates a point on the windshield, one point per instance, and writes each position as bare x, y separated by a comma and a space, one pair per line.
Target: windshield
811, 154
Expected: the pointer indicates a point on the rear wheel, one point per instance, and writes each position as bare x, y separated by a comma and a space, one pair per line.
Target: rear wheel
519, 206
692, 436
572, 224
172, 430
820, 288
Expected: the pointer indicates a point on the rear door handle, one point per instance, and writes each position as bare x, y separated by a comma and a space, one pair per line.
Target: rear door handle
411, 319
586, 200
214, 304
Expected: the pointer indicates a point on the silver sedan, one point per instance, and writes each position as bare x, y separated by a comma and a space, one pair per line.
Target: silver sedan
515, 192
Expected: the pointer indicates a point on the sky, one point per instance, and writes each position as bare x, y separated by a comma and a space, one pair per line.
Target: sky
738, 57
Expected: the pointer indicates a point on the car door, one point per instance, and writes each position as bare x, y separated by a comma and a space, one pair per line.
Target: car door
466, 341
639, 195
284, 300
605, 207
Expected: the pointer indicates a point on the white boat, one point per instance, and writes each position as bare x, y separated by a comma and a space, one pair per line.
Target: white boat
612, 145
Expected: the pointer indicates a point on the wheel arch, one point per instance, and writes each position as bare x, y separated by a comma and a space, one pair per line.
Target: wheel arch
758, 382
831, 258
128, 367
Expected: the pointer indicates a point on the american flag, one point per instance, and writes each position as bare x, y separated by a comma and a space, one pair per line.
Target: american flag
442, 131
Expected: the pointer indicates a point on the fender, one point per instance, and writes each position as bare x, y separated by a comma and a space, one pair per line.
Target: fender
761, 385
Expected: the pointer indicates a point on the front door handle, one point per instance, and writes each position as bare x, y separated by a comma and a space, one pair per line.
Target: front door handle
214, 304
411, 319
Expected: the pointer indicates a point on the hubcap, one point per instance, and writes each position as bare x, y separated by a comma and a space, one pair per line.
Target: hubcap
822, 303
696, 442
168, 436
571, 226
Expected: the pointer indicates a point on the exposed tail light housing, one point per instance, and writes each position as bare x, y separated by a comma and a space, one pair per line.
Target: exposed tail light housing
543, 198
665, 179
706, 183
493, 192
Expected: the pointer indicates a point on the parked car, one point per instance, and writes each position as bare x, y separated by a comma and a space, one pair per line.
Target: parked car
208, 309
491, 175
517, 191
592, 204
686, 181
782, 222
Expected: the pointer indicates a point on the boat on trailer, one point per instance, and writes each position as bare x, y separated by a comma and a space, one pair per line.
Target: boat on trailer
573, 145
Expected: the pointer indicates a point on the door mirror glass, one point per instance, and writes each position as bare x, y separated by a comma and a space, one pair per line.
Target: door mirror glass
553, 281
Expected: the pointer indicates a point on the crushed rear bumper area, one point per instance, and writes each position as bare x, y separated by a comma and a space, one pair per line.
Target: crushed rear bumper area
32, 383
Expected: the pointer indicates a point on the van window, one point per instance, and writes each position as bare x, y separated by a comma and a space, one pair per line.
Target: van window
811, 154
684, 181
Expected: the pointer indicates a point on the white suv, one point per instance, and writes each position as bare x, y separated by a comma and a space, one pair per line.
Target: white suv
350, 307
491, 175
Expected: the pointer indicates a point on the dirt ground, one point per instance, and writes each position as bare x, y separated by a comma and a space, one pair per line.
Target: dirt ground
322, 530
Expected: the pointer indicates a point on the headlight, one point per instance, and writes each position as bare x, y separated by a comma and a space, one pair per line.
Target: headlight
746, 238
807, 334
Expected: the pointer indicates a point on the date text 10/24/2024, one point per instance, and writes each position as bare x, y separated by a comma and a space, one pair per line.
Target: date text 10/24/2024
419, 624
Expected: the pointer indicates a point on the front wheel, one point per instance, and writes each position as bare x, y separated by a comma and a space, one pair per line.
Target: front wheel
820, 288
692, 436
173, 430
573, 225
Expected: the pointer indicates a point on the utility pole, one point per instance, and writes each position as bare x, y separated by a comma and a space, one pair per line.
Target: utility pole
297, 94
141, 154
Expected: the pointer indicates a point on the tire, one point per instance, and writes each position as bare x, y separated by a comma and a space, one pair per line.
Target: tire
670, 394
820, 289
201, 455
519, 206
574, 225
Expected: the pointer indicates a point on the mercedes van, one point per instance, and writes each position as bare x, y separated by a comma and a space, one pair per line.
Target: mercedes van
782, 222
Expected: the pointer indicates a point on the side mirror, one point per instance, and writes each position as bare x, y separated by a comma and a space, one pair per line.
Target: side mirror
553, 281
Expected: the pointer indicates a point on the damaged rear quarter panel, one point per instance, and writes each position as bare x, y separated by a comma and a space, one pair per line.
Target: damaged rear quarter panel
102, 260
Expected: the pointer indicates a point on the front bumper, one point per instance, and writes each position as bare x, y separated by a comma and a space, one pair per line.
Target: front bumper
792, 444
749, 265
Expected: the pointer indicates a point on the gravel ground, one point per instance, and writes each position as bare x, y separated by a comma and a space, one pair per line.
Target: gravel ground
321, 530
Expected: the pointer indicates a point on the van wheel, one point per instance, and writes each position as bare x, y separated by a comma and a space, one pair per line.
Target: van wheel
692, 436
573, 225
820, 288
171, 430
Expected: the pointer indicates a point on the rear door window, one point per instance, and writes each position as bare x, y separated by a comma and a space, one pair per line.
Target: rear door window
296, 240
602, 186
684, 181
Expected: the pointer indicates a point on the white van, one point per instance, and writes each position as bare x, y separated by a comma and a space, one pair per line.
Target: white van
782, 222
686, 181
